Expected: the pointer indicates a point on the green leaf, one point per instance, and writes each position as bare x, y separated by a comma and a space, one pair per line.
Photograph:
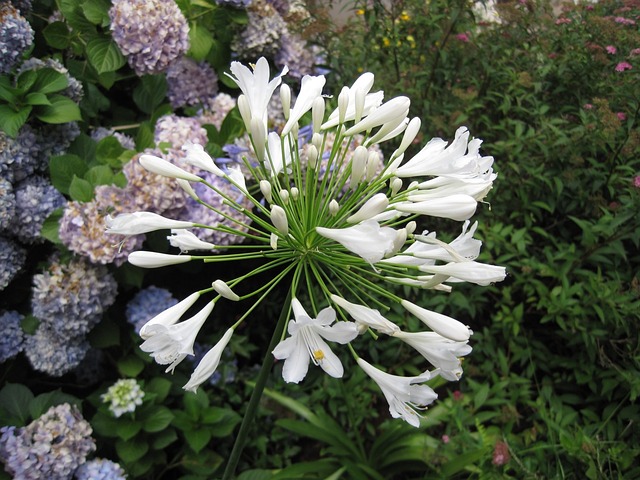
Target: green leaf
222, 420
11, 121
158, 419
127, 429
131, 450
105, 334
99, 175
80, 190
24, 81
7, 92
97, 12
105, 424
108, 151
198, 439
200, 41
37, 98
14, 404
29, 324
104, 55
74, 16
61, 110
144, 137
160, 386
130, 366
94, 101
57, 35
51, 226
63, 168
195, 403
83, 146
45, 401
164, 439
150, 92
49, 80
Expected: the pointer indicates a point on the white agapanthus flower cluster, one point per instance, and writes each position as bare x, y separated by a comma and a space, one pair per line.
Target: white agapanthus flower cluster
334, 221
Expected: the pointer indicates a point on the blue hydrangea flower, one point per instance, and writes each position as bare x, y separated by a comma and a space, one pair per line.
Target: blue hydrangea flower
295, 54
36, 198
16, 36
100, 469
55, 139
148, 303
262, 33
71, 298
152, 34
51, 447
12, 258
12, 338
52, 354
235, 3
190, 82
20, 156
7, 203
178, 130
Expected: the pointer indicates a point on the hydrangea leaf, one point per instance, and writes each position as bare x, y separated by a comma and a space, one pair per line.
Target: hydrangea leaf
131, 450
80, 190
61, 110
200, 40
158, 419
150, 93
97, 12
14, 404
57, 35
104, 55
63, 168
11, 120
51, 226
48, 80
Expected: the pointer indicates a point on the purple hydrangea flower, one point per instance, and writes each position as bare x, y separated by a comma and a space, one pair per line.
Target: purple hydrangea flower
55, 139
36, 198
16, 36
100, 469
152, 34
190, 82
295, 54
125, 140
12, 339
235, 3
147, 304
178, 130
71, 298
7, 203
54, 355
12, 258
20, 156
262, 33
216, 109
51, 447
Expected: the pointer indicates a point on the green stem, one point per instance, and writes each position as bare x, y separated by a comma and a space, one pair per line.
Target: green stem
256, 395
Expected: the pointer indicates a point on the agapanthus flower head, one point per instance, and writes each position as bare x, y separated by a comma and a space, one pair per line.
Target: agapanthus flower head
336, 224
12, 340
123, 396
53, 446
12, 258
151, 34
190, 82
16, 36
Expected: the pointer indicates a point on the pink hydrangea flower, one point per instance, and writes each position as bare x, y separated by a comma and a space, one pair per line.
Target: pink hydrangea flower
622, 66
621, 116
463, 37
636, 181
611, 49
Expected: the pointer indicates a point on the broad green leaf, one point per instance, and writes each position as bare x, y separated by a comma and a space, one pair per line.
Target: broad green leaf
37, 98
195, 403
160, 386
61, 110
221, 420
45, 401
108, 151
158, 419
49, 80
51, 227
7, 92
144, 138
105, 334
62, 169
104, 55
198, 439
105, 424
94, 101
14, 404
131, 450
150, 92
24, 81
164, 439
11, 120
99, 175
127, 429
57, 35
74, 16
97, 11
80, 190
200, 41
83, 146
130, 366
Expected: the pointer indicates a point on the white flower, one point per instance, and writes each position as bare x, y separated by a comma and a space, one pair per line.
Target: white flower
166, 169
368, 239
278, 159
156, 260
310, 89
171, 315
394, 111
473, 272
123, 396
171, 344
402, 393
279, 219
306, 343
224, 290
456, 207
367, 317
208, 364
441, 352
256, 86
372, 207
187, 241
141, 222
347, 106
446, 326
237, 178
197, 157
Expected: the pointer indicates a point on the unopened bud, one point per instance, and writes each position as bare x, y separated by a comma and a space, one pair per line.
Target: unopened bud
373, 164
279, 219
284, 196
343, 103
223, 289
312, 157
295, 193
396, 185
265, 188
317, 113
411, 227
285, 98
259, 136
333, 207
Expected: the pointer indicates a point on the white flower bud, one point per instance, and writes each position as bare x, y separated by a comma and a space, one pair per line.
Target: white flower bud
259, 136
295, 193
446, 326
316, 140
273, 240
359, 97
343, 103
317, 114
186, 186
187, 241
245, 111
166, 169
373, 164
142, 222
279, 219
223, 289
312, 156
284, 196
411, 227
372, 207
395, 108
155, 260
358, 165
198, 157
334, 207
396, 185
285, 98
265, 188
409, 135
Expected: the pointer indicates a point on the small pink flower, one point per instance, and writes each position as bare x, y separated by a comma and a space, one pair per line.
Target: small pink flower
622, 66
501, 454
563, 20
587, 106
611, 49
590, 7
636, 181
621, 116
445, 439
624, 21
635, 52
457, 395
463, 37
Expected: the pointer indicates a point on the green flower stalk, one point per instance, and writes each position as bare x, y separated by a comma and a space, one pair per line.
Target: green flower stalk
334, 225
